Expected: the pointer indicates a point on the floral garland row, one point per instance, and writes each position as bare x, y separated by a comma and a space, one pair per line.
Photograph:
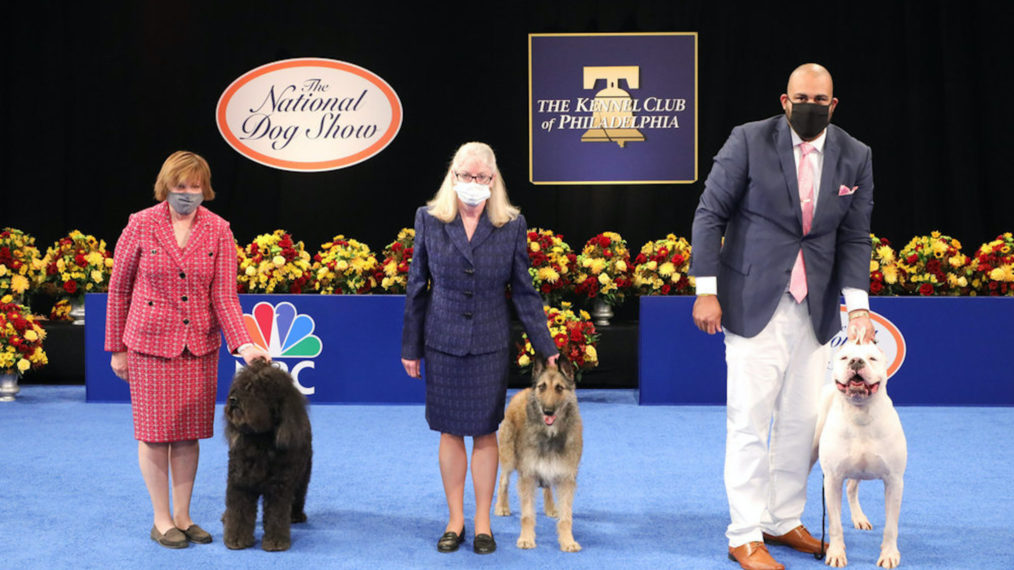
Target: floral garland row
602, 269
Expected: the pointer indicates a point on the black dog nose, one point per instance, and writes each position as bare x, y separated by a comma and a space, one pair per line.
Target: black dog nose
548, 411
857, 363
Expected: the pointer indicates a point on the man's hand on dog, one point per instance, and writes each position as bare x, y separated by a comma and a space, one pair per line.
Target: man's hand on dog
860, 329
708, 314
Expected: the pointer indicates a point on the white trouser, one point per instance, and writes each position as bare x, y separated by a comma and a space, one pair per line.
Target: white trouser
773, 388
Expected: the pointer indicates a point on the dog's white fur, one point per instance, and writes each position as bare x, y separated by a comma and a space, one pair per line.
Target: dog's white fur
859, 436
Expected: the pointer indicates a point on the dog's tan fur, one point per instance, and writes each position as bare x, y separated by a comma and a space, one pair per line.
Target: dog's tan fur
541, 439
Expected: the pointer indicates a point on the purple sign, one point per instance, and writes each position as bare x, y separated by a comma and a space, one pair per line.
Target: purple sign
612, 108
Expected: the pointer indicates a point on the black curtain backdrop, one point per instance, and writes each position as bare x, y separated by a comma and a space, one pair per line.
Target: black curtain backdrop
94, 96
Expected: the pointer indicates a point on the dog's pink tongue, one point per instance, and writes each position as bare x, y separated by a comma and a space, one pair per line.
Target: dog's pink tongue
549, 419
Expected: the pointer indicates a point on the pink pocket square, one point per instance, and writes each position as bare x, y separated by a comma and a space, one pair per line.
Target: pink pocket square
845, 190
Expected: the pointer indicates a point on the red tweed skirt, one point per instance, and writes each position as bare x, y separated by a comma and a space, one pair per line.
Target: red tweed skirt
172, 399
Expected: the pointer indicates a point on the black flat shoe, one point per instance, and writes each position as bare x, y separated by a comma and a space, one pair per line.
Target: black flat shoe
450, 542
484, 544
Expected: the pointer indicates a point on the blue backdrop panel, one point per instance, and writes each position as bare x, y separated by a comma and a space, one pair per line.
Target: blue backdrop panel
340, 349
946, 351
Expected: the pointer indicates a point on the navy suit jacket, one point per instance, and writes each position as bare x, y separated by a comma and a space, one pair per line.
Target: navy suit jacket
455, 300
751, 197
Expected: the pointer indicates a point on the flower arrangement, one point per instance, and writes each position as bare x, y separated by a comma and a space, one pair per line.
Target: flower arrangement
992, 268
61, 311
20, 263
345, 266
77, 264
574, 334
661, 267
273, 263
20, 339
397, 258
604, 270
934, 265
886, 276
552, 265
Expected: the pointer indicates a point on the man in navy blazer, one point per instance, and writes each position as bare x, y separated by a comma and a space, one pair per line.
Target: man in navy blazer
791, 196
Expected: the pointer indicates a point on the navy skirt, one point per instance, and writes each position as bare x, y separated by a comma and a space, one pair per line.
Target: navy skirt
465, 395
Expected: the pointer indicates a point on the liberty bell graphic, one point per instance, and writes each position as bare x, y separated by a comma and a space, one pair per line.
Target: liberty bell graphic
612, 109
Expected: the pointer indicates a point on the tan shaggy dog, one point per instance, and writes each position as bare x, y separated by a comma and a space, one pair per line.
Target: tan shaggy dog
540, 438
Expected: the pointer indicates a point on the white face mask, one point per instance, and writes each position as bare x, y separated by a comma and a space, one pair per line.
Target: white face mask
184, 202
472, 193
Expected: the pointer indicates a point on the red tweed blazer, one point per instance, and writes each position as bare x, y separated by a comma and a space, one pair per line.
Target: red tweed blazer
163, 299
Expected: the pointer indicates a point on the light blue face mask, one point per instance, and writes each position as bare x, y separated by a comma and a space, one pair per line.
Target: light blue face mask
184, 203
472, 193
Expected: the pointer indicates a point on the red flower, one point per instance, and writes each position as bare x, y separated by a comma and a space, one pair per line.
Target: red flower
70, 286
80, 260
876, 287
926, 289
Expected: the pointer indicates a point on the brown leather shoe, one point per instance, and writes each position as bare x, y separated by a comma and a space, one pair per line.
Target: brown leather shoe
754, 556
798, 538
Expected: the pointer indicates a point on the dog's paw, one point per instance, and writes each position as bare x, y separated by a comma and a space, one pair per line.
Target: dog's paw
551, 512
835, 557
862, 523
570, 545
233, 543
889, 558
275, 544
502, 511
525, 542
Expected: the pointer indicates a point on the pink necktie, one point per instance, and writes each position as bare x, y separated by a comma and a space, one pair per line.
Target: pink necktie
797, 282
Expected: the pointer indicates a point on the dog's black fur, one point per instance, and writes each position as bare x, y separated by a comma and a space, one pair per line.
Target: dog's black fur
270, 455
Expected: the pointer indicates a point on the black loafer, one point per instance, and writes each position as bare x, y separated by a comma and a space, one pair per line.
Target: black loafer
484, 544
450, 542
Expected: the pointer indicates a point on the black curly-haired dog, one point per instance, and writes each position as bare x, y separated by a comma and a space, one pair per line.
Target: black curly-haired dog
270, 455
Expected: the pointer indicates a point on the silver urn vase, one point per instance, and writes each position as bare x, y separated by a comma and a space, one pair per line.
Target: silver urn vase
77, 310
8, 386
601, 312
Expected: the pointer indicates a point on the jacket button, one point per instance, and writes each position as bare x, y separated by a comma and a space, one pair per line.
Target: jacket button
186, 321
469, 270
150, 304
183, 275
468, 293
467, 315
183, 298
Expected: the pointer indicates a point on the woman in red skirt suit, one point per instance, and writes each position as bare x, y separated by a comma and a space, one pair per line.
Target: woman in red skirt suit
171, 294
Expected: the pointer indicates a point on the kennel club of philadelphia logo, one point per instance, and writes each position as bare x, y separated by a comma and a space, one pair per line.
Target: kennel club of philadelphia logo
309, 114
887, 335
287, 336
613, 108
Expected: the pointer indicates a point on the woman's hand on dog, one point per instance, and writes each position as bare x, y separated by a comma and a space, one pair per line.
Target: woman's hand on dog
708, 314
253, 352
118, 362
411, 367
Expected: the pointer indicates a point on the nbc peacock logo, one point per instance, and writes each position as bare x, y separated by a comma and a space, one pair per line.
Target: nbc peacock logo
284, 334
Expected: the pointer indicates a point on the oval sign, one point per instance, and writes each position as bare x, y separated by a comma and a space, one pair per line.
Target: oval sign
309, 114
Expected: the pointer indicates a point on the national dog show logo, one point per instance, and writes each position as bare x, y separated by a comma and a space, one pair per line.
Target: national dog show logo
284, 334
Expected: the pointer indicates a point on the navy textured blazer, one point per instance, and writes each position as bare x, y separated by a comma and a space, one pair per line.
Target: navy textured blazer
751, 197
455, 301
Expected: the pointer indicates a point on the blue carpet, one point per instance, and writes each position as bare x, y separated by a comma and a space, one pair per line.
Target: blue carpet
649, 494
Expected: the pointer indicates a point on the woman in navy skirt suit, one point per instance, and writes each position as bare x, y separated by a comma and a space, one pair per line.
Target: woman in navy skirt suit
470, 245
171, 296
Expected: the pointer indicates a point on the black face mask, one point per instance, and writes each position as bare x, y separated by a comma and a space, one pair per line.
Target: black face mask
809, 119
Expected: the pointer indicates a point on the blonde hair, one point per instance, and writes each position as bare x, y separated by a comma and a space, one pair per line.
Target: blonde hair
444, 205
183, 166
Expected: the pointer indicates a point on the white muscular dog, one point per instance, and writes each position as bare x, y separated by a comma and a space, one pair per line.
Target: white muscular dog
859, 436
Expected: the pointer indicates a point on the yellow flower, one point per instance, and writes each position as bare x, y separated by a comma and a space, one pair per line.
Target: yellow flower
874, 265
61, 265
24, 365
666, 269
621, 266
584, 315
3, 270
590, 352
604, 279
890, 274
97, 276
597, 265
534, 246
342, 265
524, 360
250, 271
19, 284
278, 261
548, 274
31, 336
94, 258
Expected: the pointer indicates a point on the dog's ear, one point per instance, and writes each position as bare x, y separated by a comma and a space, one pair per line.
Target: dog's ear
292, 421
538, 365
566, 368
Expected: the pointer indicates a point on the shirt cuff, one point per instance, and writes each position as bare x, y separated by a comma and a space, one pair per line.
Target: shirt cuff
856, 299
707, 285
242, 347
